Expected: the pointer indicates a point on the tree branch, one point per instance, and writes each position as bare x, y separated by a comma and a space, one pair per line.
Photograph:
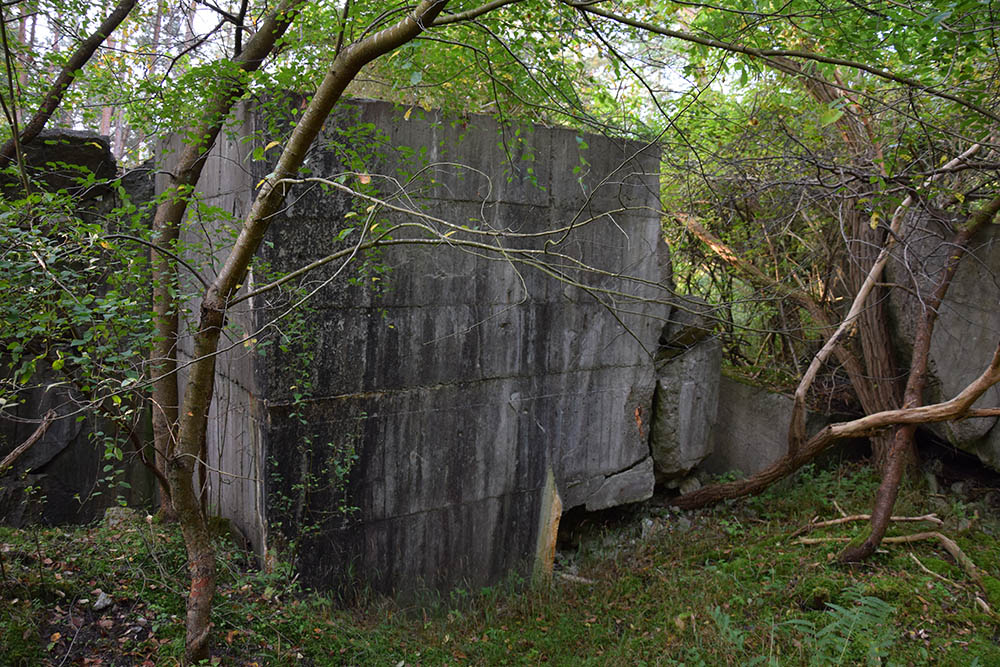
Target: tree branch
796, 430
54, 97
47, 420
957, 408
783, 53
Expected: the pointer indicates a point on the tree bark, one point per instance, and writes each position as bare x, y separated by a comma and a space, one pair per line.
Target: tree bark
898, 457
166, 231
200, 383
957, 408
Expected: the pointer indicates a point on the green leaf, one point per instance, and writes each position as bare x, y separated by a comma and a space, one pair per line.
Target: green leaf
830, 116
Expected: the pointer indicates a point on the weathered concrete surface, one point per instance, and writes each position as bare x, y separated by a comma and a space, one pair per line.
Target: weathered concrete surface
750, 430
627, 486
62, 159
692, 319
457, 379
237, 420
968, 325
685, 409
65, 467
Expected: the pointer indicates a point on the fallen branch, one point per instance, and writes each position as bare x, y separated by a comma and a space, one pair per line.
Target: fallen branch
949, 545
956, 408
931, 518
931, 572
47, 420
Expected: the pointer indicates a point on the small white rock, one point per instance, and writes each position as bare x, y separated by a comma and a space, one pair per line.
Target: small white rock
103, 602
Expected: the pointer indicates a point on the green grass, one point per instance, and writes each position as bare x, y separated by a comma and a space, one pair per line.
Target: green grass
717, 587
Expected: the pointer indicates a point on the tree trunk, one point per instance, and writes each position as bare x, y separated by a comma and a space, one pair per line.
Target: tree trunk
900, 455
79, 58
166, 231
881, 388
199, 387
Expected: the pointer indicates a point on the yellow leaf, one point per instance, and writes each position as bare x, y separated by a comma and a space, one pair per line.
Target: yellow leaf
364, 178
960, 197
875, 220
350, 214
271, 145
262, 181
450, 233
370, 208
406, 116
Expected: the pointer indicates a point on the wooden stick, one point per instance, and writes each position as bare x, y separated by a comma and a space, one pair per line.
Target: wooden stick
932, 518
931, 572
950, 546
47, 420
955, 551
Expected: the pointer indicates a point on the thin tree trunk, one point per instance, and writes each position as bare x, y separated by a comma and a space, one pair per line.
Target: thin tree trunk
166, 232
54, 96
201, 379
899, 456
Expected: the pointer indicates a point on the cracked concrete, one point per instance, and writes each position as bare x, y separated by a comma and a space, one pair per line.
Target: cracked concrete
458, 381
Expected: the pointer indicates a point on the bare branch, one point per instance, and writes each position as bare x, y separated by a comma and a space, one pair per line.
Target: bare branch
796, 431
956, 408
767, 54
473, 13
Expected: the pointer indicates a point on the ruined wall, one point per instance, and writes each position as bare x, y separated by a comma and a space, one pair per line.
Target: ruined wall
61, 478
968, 326
460, 380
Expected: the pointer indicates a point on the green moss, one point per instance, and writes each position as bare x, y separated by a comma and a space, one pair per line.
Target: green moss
991, 586
816, 591
19, 624
938, 566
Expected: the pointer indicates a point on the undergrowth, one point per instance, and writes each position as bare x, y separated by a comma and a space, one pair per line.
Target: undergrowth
724, 586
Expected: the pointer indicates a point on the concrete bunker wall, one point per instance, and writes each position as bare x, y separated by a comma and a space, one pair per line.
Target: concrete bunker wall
462, 381
62, 477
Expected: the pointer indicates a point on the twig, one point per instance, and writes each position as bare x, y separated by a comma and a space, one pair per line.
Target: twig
932, 572
931, 518
949, 545
820, 540
75, 634
839, 508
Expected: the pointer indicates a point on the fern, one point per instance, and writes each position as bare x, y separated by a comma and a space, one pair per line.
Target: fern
858, 632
